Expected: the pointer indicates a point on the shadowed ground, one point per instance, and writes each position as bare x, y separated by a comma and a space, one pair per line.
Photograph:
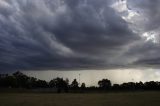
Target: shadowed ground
107, 99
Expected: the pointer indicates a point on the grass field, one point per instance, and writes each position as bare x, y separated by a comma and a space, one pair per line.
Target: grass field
107, 99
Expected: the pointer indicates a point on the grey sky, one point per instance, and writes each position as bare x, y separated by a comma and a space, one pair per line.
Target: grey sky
79, 34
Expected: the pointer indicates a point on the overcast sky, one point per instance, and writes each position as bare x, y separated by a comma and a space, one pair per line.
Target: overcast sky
74, 35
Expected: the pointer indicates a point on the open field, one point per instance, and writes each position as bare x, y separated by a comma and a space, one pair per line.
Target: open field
94, 99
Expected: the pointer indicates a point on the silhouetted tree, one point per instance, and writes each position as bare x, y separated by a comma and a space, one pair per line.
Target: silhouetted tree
7, 81
152, 85
60, 84
41, 84
129, 86
32, 82
104, 84
74, 84
116, 87
139, 86
66, 85
52, 83
22, 80
83, 86
10, 82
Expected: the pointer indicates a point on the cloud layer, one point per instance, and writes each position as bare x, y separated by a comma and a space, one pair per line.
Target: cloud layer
76, 34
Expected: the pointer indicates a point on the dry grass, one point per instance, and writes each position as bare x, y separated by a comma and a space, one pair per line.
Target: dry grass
107, 99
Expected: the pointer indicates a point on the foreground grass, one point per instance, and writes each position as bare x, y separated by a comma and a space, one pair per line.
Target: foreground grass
107, 99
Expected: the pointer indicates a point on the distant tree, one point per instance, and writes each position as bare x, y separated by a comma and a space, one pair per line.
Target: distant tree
116, 87
10, 82
41, 84
83, 86
66, 85
22, 80
74, 84
60, 84
7, 81
91, 88
152, 85
52, 83
129, 86
32, 82
104, 84
67, 81
139, 86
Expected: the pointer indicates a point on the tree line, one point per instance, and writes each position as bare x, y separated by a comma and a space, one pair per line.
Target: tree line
20, 80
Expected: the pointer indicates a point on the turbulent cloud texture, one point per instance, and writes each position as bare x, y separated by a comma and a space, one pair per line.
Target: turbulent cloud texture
75, 34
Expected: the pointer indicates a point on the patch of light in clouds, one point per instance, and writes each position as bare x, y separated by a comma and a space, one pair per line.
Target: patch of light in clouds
151, 36
120, 5
134, 17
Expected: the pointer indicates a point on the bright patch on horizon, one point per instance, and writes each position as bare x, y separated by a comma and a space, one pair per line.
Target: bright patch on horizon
91, 77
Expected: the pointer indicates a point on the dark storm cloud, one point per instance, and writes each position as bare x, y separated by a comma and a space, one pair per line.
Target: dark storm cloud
147, 53
67, 34
150, 10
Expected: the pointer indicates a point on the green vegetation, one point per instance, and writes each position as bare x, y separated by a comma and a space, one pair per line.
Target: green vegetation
86, 99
